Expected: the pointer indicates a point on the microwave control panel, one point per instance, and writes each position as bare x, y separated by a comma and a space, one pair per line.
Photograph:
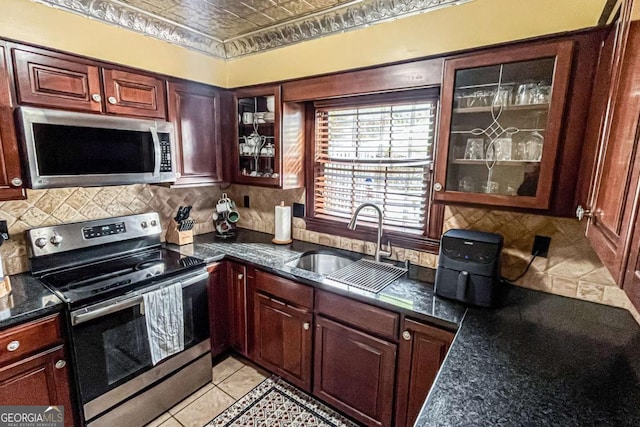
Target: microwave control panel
165, 153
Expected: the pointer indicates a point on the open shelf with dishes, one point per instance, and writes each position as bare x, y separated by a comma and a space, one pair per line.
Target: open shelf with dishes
259, 149
499, 127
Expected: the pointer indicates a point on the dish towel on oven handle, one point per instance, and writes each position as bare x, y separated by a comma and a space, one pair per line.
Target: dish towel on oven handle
165, 321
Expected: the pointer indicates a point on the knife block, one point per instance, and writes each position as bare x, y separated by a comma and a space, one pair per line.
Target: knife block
178, 237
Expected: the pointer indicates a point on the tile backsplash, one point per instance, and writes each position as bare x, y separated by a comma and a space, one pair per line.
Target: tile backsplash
571, 269
63, 205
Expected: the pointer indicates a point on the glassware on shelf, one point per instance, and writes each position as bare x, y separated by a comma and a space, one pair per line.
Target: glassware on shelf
503, 148
490, 187
475, 149
526, 94
503, 96
534, 146
466, 184
519, 151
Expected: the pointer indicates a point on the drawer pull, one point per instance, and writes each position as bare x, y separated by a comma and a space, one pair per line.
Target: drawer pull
306, 326
96, 97
61, 364
16, 182
406, 335
112, 100
13, 345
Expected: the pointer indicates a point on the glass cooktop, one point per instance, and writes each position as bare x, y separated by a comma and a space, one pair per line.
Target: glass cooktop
119, 275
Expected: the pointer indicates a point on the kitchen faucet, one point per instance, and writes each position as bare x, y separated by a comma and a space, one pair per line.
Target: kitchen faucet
352, 226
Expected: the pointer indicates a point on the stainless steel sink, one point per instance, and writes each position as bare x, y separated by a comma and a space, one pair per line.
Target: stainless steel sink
320, 262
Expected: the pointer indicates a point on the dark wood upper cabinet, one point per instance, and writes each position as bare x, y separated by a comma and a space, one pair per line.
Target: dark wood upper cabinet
354, 372
237, 288
55, 80
614, 122
194, 110
134, 94
500, 125
421, 353
58, 81
283, 339
268, 147
10, 168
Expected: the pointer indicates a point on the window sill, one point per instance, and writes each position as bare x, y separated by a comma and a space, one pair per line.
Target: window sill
368, 233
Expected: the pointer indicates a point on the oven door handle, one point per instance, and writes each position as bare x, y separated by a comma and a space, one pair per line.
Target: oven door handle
93, 313
157, 150
79, 318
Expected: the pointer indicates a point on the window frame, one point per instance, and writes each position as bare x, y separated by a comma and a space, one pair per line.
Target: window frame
432, 228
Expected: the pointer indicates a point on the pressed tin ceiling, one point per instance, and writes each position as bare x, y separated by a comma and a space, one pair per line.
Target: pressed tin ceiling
233, 28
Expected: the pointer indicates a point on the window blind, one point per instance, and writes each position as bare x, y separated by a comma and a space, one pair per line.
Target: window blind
380, 154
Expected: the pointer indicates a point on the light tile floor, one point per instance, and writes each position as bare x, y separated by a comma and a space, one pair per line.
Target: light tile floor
231, 379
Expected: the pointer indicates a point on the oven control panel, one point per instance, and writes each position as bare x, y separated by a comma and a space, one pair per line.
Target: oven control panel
103, 230
65, 237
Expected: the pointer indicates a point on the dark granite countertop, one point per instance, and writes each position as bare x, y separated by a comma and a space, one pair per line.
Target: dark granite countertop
411, 294
29, 299
540, 360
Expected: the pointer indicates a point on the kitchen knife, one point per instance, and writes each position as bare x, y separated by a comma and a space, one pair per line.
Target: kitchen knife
187, 211
179, 215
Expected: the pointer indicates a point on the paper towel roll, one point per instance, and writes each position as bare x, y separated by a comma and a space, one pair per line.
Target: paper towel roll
283, 224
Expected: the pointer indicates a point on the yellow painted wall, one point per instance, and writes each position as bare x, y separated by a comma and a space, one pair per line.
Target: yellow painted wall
479, 23
635, 12
35, 23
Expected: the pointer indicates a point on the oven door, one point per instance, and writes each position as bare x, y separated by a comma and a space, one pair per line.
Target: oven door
111, 347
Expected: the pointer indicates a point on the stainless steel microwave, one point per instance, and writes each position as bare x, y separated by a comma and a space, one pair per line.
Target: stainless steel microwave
68, 149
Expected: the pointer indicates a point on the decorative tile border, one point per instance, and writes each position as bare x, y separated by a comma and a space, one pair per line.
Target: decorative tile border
121, 15
352, 16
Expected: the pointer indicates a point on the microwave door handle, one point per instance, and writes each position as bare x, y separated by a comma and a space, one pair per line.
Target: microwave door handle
156, 149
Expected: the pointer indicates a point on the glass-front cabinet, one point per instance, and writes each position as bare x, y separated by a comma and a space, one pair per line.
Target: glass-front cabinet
500, 124
258, 142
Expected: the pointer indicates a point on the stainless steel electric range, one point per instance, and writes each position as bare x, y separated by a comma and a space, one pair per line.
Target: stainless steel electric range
102, 270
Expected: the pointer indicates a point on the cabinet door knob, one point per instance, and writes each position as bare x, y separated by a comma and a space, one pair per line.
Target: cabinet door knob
437, 186
306, 326
112, 100
406, 335
240, 276
61, 364
582, 212
16, 182
13, 345
96, 97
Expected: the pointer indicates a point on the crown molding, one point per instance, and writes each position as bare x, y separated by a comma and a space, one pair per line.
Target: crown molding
337, 20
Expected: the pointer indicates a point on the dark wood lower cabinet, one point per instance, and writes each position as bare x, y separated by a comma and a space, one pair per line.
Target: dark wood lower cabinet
422, 351
237, 288
354, 372
218, 308
41, 379
283, 339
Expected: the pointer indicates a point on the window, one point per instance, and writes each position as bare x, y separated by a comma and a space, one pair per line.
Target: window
379, 152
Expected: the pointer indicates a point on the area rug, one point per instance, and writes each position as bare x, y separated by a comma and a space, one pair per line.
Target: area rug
275, 403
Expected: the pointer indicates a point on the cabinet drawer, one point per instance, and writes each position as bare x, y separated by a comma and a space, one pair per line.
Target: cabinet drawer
29, 338
287, 290
364, 316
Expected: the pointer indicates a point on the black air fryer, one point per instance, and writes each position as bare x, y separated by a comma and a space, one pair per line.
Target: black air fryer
469, 267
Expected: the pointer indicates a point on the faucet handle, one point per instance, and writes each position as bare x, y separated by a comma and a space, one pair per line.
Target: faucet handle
386, 253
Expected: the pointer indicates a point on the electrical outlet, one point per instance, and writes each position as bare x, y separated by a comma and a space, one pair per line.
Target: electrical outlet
298, 210
4, 231
541, 246
246, 202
